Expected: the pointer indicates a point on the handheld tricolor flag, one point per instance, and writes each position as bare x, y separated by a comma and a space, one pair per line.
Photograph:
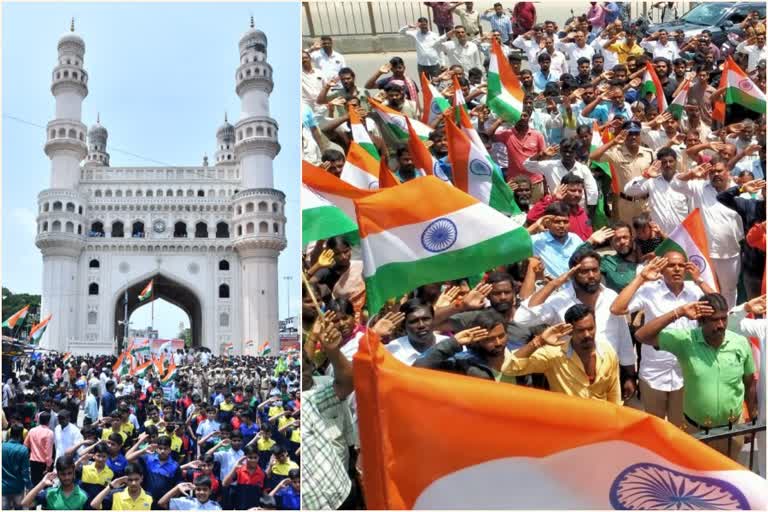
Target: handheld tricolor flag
320, 219
331, 188
690, 238
652, 85
17, 318
434, 102
265, 349
678, 103
557, 452
146, 293
395, 121
360, 134
423, 160
171, 374
360, 169
387, 179
37, 331
141, 370
740, 89
407, 242
505, 95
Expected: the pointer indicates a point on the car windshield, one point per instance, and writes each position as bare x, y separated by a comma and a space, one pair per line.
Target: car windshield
705, 14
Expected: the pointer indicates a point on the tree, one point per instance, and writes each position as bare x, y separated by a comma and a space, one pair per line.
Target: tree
186, 335
13, 302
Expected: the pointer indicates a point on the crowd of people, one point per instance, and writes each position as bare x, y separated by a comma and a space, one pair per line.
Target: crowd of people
83, 433
608, 307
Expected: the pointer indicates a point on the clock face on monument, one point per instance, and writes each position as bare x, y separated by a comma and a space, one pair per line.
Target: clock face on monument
158, 226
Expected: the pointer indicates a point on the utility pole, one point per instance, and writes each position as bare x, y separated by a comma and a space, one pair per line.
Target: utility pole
288, 280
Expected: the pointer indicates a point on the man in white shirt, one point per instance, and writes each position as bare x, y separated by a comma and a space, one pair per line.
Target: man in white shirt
311, 84
559, 64
419, 335
659, 45
460, 51
66, 434
326, 59
469, 17
553, 169
668, 208
427, 57
581, 285
531, 43
754, 48
575, 50
661, 287
665, 136
724, 226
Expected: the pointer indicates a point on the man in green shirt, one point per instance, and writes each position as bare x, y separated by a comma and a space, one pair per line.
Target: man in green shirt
66, 496
717, 365
619, 269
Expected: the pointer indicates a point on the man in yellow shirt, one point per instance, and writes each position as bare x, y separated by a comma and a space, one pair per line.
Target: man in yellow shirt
133, 497
583, 367
625, 49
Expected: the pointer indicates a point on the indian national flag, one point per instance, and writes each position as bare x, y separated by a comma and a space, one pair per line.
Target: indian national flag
423, 160
16, 318
147, 291
360, 169
140, 346
598, 140
741, 89
360, 134
387, 178
459, 103
66, 358
475, 173
652, 85
690, 238
228, 347
320, 219
142, 369
434, 102
678, 103
396, 121
265, 349
558, 452
339, 193
171, 374
37, 331
158, 362
408, 240
505, 95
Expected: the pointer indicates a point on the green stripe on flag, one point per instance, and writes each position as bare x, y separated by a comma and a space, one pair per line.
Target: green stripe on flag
395, 279
325, 222
734, 95
669, 245
370, 148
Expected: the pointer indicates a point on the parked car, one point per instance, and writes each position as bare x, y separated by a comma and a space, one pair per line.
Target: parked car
721, 19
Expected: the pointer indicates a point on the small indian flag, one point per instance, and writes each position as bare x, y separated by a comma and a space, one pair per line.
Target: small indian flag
360, 169
678, 103
66, 358
475, 173
360, 134
228, 347
171, 374
142, 369
459, 103
16, 318
690, 238
265, 349
423, 160
320, 219
37, 331
434, 102
505, 95
408, 241
652, 85
147, 291
741, 89
396, 121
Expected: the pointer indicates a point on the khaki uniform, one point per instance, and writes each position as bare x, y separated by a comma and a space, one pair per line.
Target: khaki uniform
628, 167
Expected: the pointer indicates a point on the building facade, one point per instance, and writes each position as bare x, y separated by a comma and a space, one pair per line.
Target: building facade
209, 236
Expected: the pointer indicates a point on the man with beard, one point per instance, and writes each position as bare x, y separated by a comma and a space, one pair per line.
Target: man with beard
405, 170
585, 367
521, 188
661, 287
598, 63
419, 332
714, 391
526, 81
581, 285
331, 91
333, 161
668, 208
570, 192
486, 341
724, 226
522, 142
663, 67
500, 292
440, 152
619, 269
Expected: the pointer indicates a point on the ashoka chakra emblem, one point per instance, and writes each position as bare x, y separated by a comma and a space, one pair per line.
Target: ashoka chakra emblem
373, 185
435, 108
479, 168
438, 171
745, 84
400, 123
647, 486
440, 235
700, 262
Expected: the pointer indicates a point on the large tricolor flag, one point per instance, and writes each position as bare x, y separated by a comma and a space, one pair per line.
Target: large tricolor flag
557, 452
387, 178
16, 318
146, 293
690, 238
505, 95
423, 160
360, 169
320, 219
741, 89
38, 330
434, 102
360, 134
475, 173
678, 102
652, 85
396, 121
171, 374
339, 193
408, 240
